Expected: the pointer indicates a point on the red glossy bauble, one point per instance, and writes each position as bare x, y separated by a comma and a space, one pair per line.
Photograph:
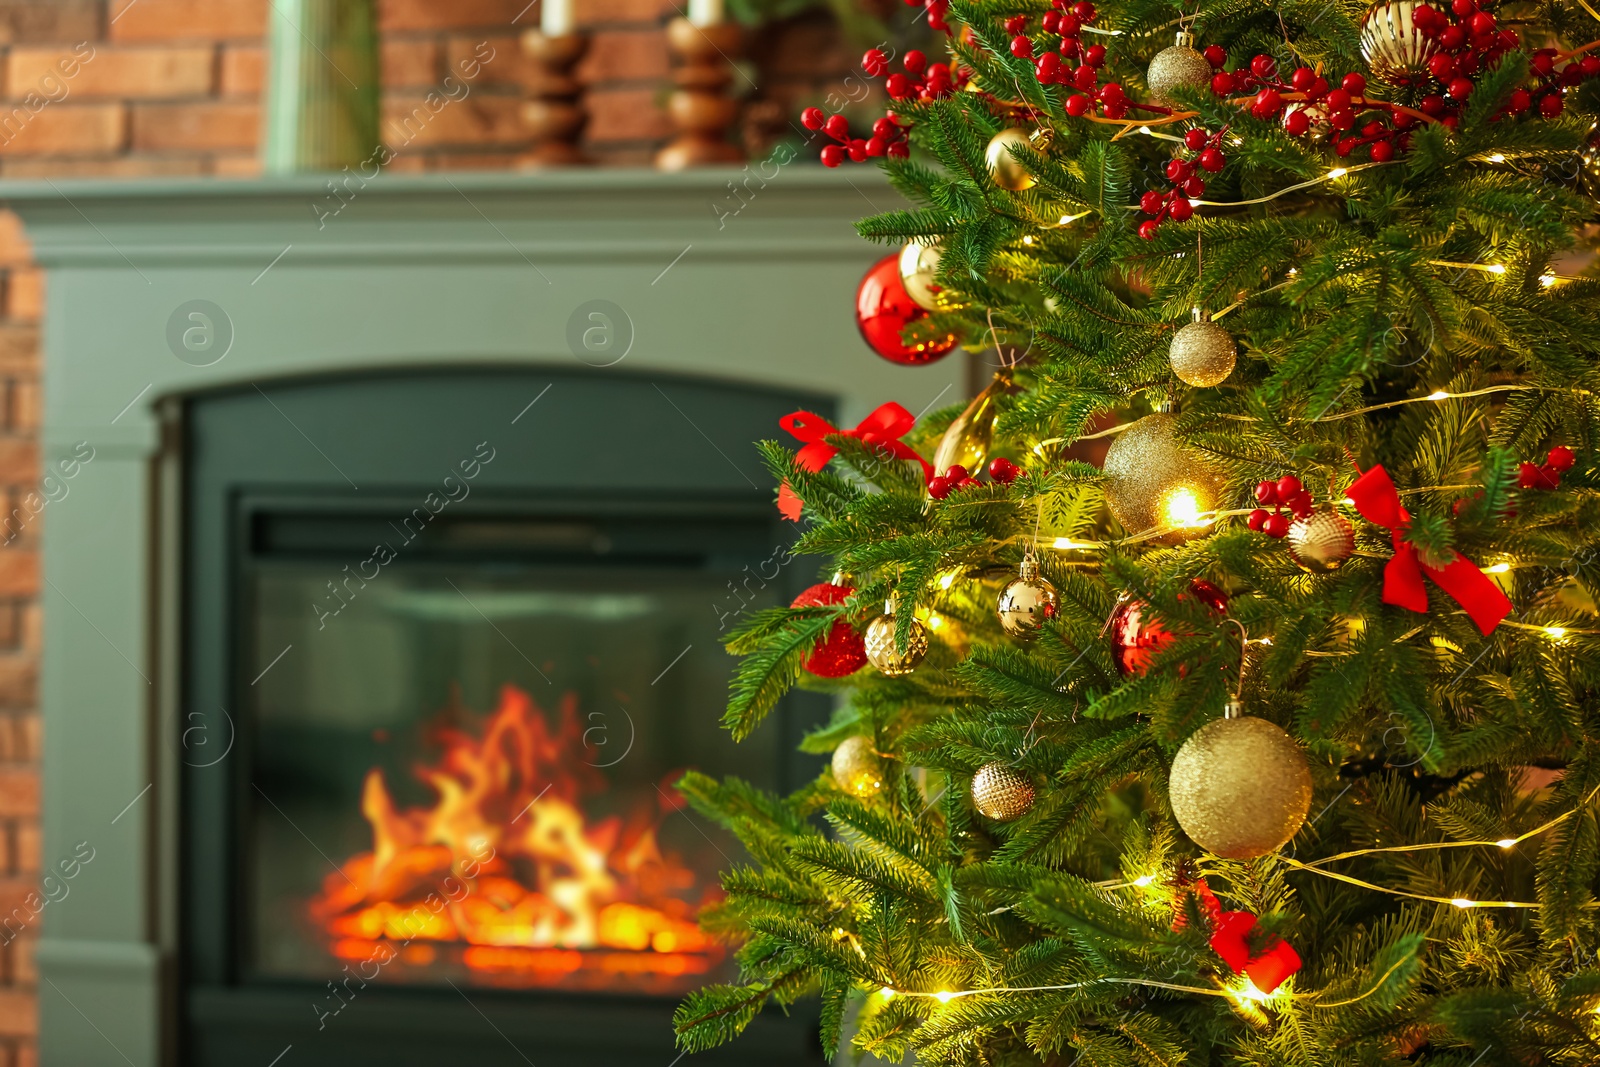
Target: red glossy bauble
1136, 638
884, 309
842, 651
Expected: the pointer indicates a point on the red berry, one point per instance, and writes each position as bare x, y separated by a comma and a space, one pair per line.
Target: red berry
1216, 55
1051, 23
1077, 105
1178, 170
1342, 119
1047, 67
1382, 151
1299, 503
837, 127
1590, 65
1267, 492
1561, 459
939, 488
875, 62
1344, 146
1452, 38
1550, 106
1084, 11
1318, 90
898, 86
1222, 83
1003, 470
1213, 160
1016, 24
1150, 202
1441, 66
1288, 486
1267, 103
1258, 519
1339, 100
1432, 105
1195, 139
1482, 24
1297, 122
1543, 62
1095, 55
1277, 525
1521, 100
1463, 8
1181, 209
877, 147
915, 61
832, 155
812, 118
1263, 66
1147, 229
1021, 47
1084, 78
857, 149
1354, 84
1111, 93
1302, 79
899, 150
1194, 188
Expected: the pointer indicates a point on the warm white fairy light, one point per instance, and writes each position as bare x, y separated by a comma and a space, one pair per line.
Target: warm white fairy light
1497, 568
1497, 158
1496, 268
1068, 543
1555, 632
1028, 240
1547, 280
1338, 172
1462, 902
1144, 880
1439, 394
944, 996
948, 580
1506, 842
887, 993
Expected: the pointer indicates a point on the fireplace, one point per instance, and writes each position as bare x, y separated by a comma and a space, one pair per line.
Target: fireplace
246, 702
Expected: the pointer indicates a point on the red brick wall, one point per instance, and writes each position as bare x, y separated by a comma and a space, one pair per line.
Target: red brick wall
174, 88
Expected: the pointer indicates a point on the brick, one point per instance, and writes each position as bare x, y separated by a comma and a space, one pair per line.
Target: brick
19, 348
30, 846
107, 167
811, 49
14, 244
620, 55
472, 121
19, 681
603, 12
187, 20
502, 160
19, 464
403, 15
29, 730
626, 115
26, 405
198, 126
24, 294
113, 72
19, 1013
23, 21
237, 166
409, 64
24, 969
19, 567
11, 638
62, 129
19, 791
496, 58
27, 1054
243, 70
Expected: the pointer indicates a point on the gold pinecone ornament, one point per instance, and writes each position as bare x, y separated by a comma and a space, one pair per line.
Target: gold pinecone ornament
1001, 792
1322, 541
1027, 603
1153, 481
1239, 786
856, 766
1178, 67
1202, 353
1008, 172
1391, 44
966, 440
881, 650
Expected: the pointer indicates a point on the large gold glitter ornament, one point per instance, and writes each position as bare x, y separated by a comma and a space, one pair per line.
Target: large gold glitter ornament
1240, 787
1202, 353
919, 266
1589, 164
1321, 541
1178, 67
1008, 172
1153, 481
1001, 792
966, 440
856, 766
1392, 45
1027, 603
881, 650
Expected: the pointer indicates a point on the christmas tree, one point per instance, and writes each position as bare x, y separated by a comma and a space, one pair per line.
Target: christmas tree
1269, 736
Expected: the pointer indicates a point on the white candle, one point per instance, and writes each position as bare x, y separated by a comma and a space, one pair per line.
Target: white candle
555, 18
705, 12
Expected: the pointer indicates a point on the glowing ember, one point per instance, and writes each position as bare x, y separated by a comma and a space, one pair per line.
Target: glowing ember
506, 874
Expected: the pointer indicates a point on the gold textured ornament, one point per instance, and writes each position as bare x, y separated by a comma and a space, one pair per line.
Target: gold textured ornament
1239, 786
1008, 172
966, 440
1027, 603
856, 766
1589, 164
1178, 67
919, 267
1391, 44
1321, 541
1318, 116
1202, 354
1001, 793
881, 650
1153, 481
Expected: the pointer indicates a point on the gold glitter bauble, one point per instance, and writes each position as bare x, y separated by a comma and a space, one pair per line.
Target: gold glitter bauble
1027, 603
856, 766
881, 651
1391, 44
1202, 353
1153, 481
1001, 792
1178, 67
1589, 164
919, 265
1240, 787
1322, 540
966, 440
1008, 172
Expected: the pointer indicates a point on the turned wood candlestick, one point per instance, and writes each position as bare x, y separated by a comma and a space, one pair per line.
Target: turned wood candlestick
700, 106
553, 112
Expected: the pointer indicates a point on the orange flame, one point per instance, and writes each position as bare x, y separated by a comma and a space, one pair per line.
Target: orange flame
506, 864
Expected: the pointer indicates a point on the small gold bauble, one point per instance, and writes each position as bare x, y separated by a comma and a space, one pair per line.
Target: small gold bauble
1392, 46
1027, 603
1001, 792
1008, 172
1178, 67
1589, 164
856, 766
919, 267
1202, 353
1318, 131
1240, 787
966, 440
1321, 541
1153, 481
881, 650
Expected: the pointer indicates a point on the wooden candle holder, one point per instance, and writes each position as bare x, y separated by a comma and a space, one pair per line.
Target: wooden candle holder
552, 112
700, 106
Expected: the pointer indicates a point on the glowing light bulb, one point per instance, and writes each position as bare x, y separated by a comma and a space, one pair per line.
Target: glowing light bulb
1547, 280
1506, 842
1144, 880
888, 994
1028, 240
944, 996
1462, 903
1496, 268
1498, 568
1439, 394
1067, 542
1556, 632
1497, 158
1294, 272
1182, 508
948, 580
1144, 129
1337, 172
935, 621
1248, 991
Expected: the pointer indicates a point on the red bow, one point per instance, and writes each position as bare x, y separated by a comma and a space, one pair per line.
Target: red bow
1375, 497
880, 431
1269, 968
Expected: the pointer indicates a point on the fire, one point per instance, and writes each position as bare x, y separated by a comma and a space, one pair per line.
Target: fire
506, 872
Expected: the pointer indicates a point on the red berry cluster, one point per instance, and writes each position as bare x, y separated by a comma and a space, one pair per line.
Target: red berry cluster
1065, 22
1286, 492
921, 80
1001, 470
1551, 81
1467, 41
1547, 475
936, 11
1307, 99
888, 138
1185, 178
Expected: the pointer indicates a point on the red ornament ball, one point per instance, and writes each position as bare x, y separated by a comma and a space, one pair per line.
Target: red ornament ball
884, 309
1137, 638
841, 651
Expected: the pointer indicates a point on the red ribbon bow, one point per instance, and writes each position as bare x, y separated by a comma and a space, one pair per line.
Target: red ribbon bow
880, 431
1267, 969
1375, 497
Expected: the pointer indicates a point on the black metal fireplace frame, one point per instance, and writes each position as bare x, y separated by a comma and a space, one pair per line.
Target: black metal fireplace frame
611, 444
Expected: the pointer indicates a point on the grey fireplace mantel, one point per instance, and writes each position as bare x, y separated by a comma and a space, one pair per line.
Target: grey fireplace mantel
437, 271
